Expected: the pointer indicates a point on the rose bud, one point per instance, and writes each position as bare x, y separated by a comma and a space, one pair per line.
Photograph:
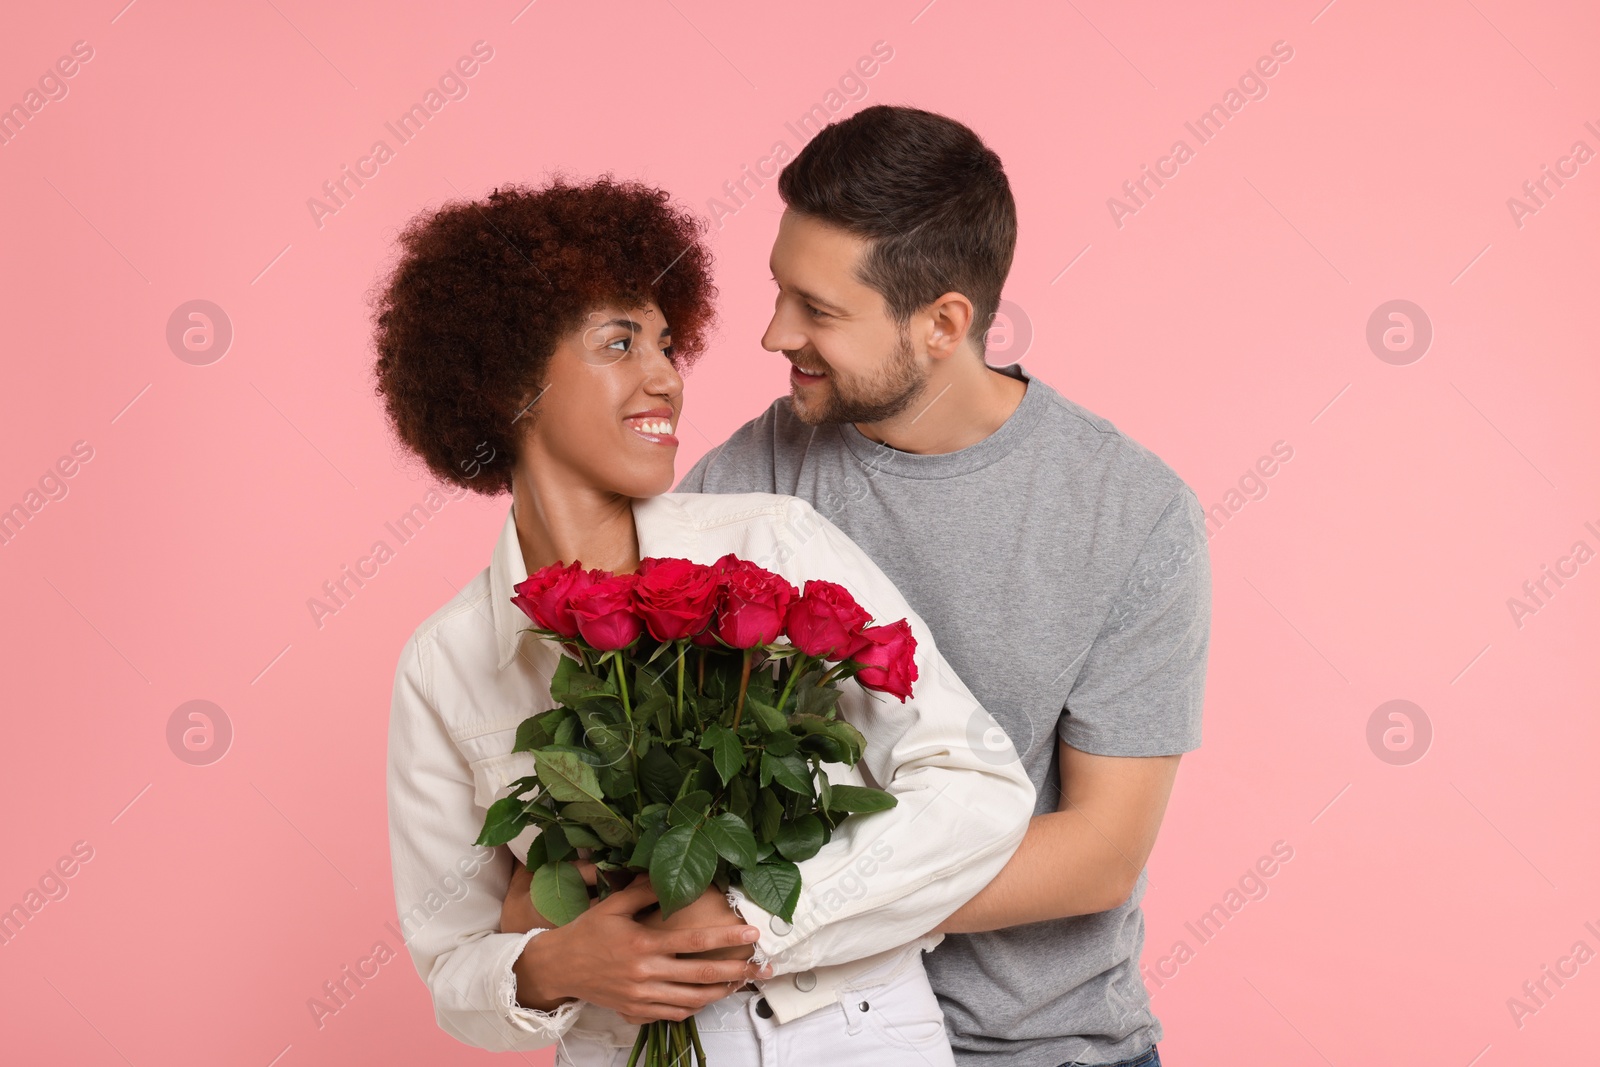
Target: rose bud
604, 612
545, 596
826, 621
886, 654
675, 597
754, 604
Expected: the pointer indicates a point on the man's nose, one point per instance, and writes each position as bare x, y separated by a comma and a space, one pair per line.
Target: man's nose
782, 335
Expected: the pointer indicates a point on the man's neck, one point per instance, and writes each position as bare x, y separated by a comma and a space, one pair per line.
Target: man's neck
963, 402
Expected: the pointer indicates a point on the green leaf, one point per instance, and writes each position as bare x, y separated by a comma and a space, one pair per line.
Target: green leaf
572, 684
660, 774
566, 776
538, 731
505, 820
740, 797
681, 867
689, 809
765, 715
769, 812
581, 836
774, 885
727, 753
640, 859
781, 743
788, 771
616, 780
824, 789
606, 731
566, 731
817, 700
538, 854
559, 892
732, 839
607, 824
860, 798
556, 845
653, 710
800, 839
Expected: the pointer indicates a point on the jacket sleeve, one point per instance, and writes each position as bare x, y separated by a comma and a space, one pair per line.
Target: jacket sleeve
448, 891
963, 799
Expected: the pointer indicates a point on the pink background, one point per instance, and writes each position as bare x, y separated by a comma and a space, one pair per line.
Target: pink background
1227, 314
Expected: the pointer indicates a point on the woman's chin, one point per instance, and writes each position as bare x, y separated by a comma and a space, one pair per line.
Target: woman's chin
648, 484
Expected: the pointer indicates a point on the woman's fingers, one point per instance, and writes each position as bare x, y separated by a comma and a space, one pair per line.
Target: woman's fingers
637, 894
703, 938
706, 973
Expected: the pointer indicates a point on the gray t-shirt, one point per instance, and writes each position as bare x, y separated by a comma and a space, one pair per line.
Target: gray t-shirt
1062, 568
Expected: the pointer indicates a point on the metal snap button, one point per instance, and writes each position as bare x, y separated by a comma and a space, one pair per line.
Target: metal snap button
863, 1005
805, 981
763, 1009
778, 926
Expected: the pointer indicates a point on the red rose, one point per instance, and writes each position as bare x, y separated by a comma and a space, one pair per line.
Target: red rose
604, 611
545, 596
754, 603
825, 621
886, 653
675, 597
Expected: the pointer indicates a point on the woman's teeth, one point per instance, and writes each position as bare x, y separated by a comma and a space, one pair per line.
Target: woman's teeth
653, 426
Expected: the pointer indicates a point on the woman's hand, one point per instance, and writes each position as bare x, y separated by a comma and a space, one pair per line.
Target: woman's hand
710, 910
644, 970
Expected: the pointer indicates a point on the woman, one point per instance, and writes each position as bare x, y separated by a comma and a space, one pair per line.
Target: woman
532, 344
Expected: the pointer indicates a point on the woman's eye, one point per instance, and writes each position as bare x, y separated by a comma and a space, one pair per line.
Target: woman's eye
623, 341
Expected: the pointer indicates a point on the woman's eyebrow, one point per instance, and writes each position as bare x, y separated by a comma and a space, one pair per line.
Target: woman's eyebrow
632, 327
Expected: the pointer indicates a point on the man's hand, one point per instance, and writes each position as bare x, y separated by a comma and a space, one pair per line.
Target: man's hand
517, 913
608, 956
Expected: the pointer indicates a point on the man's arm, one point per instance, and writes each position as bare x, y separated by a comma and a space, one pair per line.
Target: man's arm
1085, 856
1136, 702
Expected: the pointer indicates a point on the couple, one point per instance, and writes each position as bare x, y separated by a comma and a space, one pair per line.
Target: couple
1053, 570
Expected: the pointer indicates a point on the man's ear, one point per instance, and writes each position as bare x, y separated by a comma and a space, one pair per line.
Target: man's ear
950, 317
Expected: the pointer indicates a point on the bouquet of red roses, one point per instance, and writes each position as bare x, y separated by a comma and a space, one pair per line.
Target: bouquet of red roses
693, 712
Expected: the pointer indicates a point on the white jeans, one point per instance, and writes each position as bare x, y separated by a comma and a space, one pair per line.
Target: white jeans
888, 1017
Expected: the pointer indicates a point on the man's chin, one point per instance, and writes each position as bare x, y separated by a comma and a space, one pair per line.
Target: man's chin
807, 407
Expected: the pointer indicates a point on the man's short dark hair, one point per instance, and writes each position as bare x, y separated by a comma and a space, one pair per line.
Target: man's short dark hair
928, 194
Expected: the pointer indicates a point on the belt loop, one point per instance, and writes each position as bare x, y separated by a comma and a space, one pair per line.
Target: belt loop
850, 1002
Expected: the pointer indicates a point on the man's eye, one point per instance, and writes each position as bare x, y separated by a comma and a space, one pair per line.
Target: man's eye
816, 313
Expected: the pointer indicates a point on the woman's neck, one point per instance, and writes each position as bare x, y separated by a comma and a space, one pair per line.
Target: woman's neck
559, 523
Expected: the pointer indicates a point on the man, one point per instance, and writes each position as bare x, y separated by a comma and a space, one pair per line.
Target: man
1060, 565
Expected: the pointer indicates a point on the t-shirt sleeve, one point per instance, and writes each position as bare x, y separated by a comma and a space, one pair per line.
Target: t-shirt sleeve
744, 463
1143, 680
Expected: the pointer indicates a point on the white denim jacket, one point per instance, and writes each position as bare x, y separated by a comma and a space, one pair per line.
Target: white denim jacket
469, 675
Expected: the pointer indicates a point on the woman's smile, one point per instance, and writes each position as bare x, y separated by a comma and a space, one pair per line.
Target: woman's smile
655, 426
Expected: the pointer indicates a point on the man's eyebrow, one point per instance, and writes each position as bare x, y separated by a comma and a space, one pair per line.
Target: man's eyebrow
812, 297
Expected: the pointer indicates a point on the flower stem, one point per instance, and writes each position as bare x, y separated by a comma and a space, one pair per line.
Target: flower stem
683, 652
800, 666
627, 710
835, 669
744, 684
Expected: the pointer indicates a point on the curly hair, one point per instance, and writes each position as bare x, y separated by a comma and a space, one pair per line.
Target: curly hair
467, 320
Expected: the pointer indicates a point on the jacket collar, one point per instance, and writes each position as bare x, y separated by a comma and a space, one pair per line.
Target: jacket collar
665, 525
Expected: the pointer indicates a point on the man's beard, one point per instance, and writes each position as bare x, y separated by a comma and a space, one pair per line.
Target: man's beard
857, 400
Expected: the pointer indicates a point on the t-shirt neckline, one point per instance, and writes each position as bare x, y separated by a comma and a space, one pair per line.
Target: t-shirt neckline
881, 459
